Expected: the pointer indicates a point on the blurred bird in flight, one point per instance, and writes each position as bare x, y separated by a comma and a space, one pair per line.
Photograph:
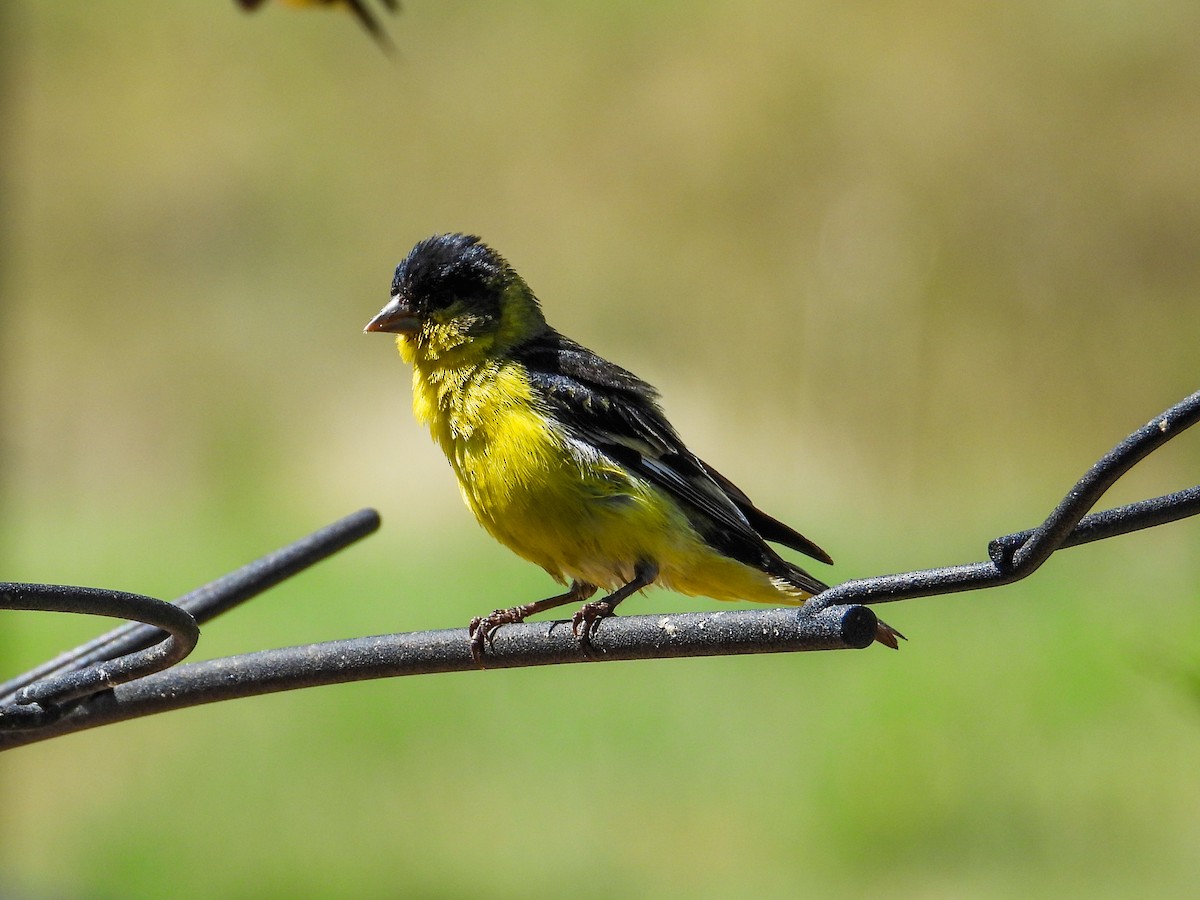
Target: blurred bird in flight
566, 458
358, 8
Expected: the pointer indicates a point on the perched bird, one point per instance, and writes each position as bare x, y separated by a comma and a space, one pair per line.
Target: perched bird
566, 458
357, 8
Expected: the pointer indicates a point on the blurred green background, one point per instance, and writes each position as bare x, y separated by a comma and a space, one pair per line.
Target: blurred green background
903, 271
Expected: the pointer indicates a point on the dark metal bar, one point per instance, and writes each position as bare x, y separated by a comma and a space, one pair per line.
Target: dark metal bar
1109, 523
835, 619
975, 576
228, 591
209, 601
44, 700
1017, 556
1100, 477
530, 644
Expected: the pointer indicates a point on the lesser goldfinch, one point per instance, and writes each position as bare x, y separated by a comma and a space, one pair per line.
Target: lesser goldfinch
566, 458
359, 9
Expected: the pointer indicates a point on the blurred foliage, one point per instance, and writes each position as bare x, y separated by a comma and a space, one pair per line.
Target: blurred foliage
901, 270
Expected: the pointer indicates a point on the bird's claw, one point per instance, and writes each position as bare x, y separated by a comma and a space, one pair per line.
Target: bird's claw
583, 623
482, 629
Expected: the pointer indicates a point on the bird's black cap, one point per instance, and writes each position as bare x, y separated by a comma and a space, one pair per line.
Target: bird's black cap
446, 266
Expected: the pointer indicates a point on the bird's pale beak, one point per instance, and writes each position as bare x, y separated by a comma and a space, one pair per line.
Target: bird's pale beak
397, 317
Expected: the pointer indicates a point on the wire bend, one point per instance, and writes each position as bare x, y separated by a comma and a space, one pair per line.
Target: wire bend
159, 635
42, 701
1016, 556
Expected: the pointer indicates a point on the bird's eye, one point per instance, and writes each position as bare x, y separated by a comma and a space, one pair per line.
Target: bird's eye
439, 299
453, 287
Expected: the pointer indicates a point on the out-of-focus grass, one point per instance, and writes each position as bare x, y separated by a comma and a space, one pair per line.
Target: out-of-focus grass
902, 273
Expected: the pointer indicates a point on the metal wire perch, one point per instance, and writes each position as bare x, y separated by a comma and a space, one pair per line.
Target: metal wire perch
160, 634
838, 618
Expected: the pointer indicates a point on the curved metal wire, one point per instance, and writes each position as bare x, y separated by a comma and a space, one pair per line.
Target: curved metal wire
738, 631
38, 697
45, 700
835, 619
1016, 556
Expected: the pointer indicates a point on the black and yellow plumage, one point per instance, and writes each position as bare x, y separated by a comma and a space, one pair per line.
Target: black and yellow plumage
566, 458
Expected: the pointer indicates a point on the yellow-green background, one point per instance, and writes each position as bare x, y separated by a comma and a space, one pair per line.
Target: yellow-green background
901, 270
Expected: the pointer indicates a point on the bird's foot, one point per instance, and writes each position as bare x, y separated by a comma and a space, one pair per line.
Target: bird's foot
483, 628
588, 616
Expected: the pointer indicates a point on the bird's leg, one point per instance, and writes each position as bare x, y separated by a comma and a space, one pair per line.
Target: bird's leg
583, 623
482, 628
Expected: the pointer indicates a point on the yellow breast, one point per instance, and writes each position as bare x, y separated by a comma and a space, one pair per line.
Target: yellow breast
545, 496
556, 501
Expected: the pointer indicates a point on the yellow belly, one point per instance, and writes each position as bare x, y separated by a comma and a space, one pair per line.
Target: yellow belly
571, 511
576, 518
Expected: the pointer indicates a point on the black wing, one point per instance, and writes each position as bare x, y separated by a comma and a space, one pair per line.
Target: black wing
770, 528
616, 412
